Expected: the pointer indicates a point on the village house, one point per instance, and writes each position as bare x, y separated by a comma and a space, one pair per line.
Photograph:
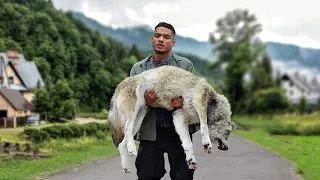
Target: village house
19, 79
297, 86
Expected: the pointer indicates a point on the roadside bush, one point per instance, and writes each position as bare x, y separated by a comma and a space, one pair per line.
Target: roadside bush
53, 131
76, 130
91, 129
103, 114
36, 135
307, 128
283, 129
268, 101
67, 131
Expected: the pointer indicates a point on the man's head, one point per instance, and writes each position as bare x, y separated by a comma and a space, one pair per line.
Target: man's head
163, 38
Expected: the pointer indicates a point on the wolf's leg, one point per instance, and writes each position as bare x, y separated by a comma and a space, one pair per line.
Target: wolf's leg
133, 124
124, 155
131, 118
183, 132
200, 103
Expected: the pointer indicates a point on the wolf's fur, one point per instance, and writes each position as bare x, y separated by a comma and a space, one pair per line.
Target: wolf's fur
202, 105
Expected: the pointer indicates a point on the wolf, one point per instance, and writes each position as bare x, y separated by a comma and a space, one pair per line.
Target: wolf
202, 105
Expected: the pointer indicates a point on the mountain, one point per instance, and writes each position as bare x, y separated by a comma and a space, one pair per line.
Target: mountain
141, 36
294, 55
285, 57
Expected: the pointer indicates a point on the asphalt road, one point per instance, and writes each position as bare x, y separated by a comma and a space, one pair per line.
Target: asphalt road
243, 161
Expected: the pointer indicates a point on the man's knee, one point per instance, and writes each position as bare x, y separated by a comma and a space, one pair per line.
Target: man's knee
149, 162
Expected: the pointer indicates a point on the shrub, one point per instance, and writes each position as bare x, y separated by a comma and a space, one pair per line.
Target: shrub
295, 128
68, 131
303, 106
76, 130
268, 101
91, 129
37, 135
100, 135
53, 131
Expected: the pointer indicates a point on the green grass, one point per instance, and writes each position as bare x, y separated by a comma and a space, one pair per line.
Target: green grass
303, 151
63, 154
286, 124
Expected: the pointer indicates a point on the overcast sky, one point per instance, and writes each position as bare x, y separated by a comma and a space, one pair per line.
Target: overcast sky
289, 21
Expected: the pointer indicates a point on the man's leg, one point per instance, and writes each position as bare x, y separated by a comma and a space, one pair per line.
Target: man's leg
179, 169
150, 161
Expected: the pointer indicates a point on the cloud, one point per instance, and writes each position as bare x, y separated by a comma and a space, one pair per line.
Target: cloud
292, 21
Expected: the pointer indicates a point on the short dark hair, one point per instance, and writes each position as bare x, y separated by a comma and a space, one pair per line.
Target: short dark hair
166, 25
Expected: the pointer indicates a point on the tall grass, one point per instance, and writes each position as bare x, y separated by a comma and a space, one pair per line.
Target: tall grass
284, 124
62, 153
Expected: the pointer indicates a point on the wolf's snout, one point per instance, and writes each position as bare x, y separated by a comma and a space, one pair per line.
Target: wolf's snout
222, 146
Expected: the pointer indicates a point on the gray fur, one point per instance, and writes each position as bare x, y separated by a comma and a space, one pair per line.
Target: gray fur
128, 101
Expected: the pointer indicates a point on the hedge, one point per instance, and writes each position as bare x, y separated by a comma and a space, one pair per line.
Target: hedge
67, 131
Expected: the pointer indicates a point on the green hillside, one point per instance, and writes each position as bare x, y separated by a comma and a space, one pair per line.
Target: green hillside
76, 63
81, 67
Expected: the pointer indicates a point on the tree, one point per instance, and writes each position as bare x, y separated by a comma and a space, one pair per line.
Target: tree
42, 101
237, 45
43, 67
2, 45
261, 75
303, 105
135, 52
62, 98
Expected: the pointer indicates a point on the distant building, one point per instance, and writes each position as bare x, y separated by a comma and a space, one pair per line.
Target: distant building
297, 86
19, 74
18, 81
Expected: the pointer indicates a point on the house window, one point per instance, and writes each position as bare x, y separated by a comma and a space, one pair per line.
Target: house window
291, 93
291, 83
10, 80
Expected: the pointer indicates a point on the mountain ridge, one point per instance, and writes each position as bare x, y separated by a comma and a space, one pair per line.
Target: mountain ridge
288, 55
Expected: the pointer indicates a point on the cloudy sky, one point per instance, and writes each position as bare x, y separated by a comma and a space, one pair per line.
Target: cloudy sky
295, 22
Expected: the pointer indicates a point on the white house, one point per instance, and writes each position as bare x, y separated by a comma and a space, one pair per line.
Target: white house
297, 86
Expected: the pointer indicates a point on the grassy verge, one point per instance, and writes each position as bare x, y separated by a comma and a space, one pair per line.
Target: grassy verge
63, 153
302, 150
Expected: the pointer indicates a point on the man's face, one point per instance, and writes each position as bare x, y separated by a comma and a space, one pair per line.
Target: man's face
162, 40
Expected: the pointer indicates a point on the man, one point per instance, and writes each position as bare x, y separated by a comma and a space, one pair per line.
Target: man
157, 134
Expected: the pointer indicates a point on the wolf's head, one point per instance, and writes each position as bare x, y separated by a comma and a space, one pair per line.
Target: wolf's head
219, 121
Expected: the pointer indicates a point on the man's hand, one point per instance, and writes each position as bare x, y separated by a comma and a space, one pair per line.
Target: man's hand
177, 102
150, 97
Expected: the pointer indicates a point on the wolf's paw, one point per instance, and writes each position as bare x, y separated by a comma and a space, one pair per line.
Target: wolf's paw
126, 170
132, 150
191, 161
207, 148
192, 165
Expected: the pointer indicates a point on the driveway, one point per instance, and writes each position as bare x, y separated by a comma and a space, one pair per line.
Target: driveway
243, 161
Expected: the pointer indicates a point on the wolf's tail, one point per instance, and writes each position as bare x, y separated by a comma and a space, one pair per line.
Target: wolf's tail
115, 124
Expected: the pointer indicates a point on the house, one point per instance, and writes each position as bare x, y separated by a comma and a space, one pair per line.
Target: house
19, 79
13, 105
297, 86
19, 74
